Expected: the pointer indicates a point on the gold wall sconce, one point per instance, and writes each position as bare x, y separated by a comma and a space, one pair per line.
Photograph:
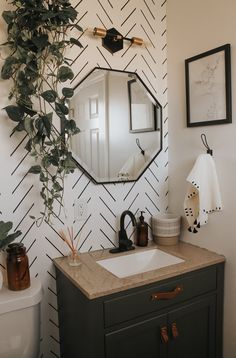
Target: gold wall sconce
112, 40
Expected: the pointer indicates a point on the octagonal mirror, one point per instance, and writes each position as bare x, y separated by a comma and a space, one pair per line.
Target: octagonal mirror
120, 125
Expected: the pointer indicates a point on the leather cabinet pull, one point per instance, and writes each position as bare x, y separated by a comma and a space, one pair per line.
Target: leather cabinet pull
167, 295
164, 335
174, 330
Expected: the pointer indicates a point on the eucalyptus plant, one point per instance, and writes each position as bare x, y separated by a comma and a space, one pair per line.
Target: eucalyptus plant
37, 64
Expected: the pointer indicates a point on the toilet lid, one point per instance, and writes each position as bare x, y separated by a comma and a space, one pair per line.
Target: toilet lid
16, 300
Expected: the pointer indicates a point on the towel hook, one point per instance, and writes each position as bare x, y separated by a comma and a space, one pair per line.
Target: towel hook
204, 141
138, 144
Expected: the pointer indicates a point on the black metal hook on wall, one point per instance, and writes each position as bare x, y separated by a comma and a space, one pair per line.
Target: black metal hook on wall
204, 141
138, 144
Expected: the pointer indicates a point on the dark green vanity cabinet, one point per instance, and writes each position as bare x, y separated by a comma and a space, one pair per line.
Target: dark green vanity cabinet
184, 321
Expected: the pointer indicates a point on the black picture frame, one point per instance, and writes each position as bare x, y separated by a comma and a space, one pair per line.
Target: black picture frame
153, 125
208, 88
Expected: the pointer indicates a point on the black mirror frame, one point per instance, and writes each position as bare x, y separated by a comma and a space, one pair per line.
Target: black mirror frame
160, 130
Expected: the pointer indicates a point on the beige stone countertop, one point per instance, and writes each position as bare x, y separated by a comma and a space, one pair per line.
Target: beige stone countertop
95, 281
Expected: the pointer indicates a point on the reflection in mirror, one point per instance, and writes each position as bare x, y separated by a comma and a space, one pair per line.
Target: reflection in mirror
120, 125
143, 113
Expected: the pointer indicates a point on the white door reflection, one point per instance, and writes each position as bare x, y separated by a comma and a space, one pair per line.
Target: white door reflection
88, 108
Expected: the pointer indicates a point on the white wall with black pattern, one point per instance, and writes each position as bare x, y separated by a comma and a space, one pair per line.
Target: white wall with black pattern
19, 195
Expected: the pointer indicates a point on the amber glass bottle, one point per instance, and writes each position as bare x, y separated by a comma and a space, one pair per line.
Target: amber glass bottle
142, 232
17, 267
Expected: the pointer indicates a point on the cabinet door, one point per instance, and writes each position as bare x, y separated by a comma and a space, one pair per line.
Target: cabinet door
139, 340
192, 330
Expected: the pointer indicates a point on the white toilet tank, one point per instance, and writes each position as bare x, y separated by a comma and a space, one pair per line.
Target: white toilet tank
20, 321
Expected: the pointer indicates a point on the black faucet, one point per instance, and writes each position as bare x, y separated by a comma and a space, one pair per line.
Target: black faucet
125, 244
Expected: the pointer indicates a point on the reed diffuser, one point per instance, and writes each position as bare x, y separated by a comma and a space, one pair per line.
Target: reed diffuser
73, 257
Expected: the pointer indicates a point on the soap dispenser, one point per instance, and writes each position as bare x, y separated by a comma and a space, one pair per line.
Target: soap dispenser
142, 231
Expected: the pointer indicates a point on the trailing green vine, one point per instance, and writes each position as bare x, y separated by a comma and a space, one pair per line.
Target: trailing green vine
37, 64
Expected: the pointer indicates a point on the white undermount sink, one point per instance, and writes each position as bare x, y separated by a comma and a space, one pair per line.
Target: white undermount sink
139, 262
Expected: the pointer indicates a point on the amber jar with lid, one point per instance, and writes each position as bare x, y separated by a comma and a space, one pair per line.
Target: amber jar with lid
17, 267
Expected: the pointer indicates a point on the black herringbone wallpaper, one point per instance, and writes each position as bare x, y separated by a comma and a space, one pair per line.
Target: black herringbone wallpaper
19, 192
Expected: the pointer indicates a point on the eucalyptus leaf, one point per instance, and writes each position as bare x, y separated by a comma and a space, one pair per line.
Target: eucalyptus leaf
37, 140
8, 16
9, 239
47, 121
43, 178
35, 169
15, 113
70, 164
48, 15
57, 186
67, 13
33, 153
9, 67
49, 96
28, 146
28, 111
61, 109
4, 228
26, 90
76, 26
40, 126
46, 162
75, 131
70, 13
75, 42
43, 195
24, 101
67, 92
54, 159
40, 41
70, 125
29, 125
64, 74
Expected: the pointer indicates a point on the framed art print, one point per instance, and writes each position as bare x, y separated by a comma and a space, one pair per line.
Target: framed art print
208, 87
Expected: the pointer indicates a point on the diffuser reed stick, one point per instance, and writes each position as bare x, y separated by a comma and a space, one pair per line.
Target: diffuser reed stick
70, 242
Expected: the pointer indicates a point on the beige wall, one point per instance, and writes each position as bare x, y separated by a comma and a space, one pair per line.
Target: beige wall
195, 27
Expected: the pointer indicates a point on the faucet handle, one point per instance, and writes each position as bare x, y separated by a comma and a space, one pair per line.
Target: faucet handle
125, 244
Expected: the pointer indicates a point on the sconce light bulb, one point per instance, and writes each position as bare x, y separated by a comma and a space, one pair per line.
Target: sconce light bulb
99, 32
137, 41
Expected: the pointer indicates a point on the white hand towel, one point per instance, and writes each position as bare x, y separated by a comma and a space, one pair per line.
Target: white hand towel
203, 192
